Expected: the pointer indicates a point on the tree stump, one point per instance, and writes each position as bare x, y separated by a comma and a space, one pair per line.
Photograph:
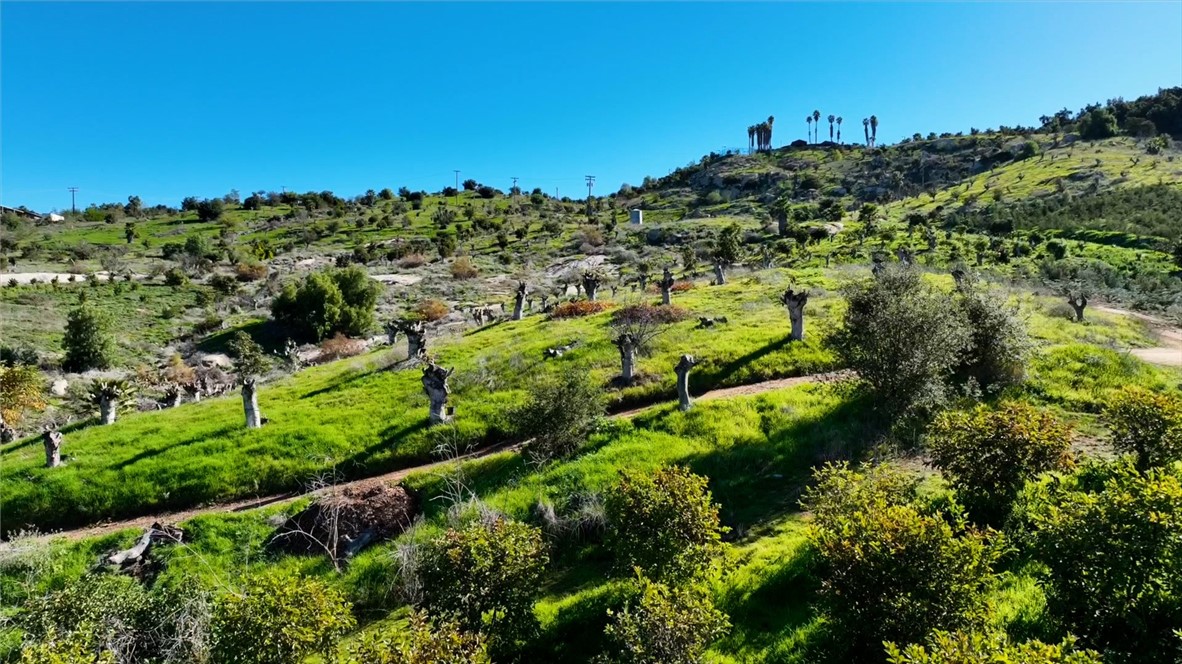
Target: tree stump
519, 300
795, 302
591, 283
51, 438
719, 273
627, 344
682, 369
666, 284
1078, 302
250, 403
435, 385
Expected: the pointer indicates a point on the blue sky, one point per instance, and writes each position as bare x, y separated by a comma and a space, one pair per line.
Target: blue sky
171, 100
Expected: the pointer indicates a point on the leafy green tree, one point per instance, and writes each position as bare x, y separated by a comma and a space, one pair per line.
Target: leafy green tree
891, 567
904, 340
445, 243
210, 209
129, 232
325, 303
279, 618
250, 364
558, 414
88, 342
664, 523
727, 251
22, 388
977, 647
420, 643
1096, 124
663, 624
485, 577
93, 614
1147, 425
989, 454
1113, 554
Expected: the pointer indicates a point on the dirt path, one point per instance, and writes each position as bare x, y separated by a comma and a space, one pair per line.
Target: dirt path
1169, 353
244, 505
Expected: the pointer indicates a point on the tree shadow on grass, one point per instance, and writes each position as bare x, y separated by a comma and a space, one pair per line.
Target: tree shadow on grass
36, 438
709, 376
148, 454
756, 482
267, 333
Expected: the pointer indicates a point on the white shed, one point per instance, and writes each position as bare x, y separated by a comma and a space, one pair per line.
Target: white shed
636, 216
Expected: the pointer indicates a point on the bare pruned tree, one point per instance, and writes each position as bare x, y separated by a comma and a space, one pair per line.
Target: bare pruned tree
633, 328
795, 302
437, 390
682, 370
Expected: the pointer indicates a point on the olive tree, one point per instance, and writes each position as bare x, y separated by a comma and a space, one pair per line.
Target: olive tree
664, 624
1147, 425
633, 328
325, 303
557, 415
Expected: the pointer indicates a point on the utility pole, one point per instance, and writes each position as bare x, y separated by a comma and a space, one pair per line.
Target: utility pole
513, 191
73, 205
457, 186
590, 185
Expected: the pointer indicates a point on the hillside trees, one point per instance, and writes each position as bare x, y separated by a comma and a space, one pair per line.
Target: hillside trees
22, 388
726, 251
633, 328
325, 303
1096, 124
87, 342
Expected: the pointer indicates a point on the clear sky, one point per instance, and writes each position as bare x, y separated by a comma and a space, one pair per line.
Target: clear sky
171, 100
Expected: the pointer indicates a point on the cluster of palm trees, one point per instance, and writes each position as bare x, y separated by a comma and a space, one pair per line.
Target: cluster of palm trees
759, 136
869, 125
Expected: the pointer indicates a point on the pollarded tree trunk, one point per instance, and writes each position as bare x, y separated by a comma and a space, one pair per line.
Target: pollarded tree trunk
683, 370
435, 385
591, 286
795, 303
108, 409
250, 404
52, 440
719, 273
627, 346
1078, 303
782, 224
416, 339
7, 432
666, 285
519, 301
172, 396
643, 278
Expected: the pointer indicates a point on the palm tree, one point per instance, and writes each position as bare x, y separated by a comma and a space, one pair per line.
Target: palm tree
873, 129
839, 129
750, 138
809, 119
831, 118
816, 125
866, 129
771, 120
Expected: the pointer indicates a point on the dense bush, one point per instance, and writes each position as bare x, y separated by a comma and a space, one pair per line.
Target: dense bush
662, 624
250, 271
339, 346
485, 577
1113, 554
975, 647
904, 340
999, 347
324, 303
1147, 425
1096, 124
989, 454
558, 414
279, 619
420, 643
579, 308
430, 310
88, 342
22, 388
462, 268
663, 523
891, 568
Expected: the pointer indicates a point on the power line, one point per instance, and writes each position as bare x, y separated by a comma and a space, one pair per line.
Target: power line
590, 186
457, 186
73, 204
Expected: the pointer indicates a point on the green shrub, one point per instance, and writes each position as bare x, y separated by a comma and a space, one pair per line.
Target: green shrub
663, 523
1114, 562
663, 624
999, 346
558, 414
279, 619
904, 340
989, 454
88, 342
176, 277
224, 284
421, 643
969, 648
1147, 425
1096, 124
328, 302
92, 613
485, 577
75, 648
891, 569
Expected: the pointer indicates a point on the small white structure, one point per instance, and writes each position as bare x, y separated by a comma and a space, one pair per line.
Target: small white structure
53, 217
636, 216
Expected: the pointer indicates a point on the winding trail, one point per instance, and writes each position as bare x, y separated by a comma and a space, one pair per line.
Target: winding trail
1169, 353
247, 504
